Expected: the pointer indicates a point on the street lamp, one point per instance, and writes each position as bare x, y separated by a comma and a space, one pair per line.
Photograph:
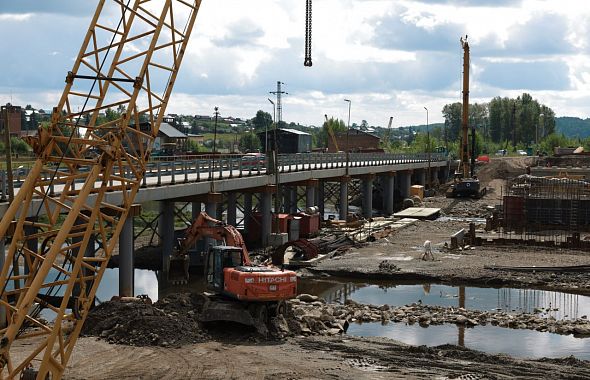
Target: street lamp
542, 116
347, 135
428, 147
266, 127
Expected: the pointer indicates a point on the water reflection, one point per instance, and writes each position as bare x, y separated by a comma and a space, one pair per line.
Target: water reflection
545, 303
490, 339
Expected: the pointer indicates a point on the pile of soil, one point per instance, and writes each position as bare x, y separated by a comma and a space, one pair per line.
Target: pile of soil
504, 168
170, 322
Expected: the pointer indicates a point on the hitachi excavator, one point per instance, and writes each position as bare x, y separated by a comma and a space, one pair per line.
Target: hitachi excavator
239, 291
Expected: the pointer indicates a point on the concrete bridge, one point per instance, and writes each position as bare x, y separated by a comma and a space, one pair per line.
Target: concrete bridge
231, 188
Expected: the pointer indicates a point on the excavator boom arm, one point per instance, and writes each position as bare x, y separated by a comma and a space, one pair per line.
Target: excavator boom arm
205, 226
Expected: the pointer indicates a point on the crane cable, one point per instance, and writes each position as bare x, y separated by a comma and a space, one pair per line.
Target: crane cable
307, 61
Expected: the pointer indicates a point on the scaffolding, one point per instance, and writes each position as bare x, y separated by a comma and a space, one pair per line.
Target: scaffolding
555, 209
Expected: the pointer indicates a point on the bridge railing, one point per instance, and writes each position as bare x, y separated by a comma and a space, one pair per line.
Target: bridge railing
182, 169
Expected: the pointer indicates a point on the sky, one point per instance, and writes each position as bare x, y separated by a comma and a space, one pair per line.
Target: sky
390, 58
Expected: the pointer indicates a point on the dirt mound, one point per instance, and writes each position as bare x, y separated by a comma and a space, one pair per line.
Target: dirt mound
504, 168
171, 321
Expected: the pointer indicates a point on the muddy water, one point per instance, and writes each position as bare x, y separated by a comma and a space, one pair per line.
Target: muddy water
490, 339
540, 302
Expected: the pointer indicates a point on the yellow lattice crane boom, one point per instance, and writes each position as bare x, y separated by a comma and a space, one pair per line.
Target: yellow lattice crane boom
84, 180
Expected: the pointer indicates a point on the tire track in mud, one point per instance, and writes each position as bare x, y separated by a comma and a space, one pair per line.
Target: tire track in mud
100, 360
445, 361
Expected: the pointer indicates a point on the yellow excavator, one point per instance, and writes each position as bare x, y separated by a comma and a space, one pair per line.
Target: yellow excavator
331, 133
466, 184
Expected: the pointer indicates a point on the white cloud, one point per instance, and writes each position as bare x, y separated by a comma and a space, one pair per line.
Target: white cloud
15, 17
389, 58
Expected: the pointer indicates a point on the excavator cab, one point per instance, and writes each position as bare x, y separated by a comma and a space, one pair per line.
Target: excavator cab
218, 258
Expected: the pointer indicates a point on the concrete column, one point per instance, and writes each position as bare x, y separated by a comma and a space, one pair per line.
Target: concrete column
211, 210
231, 209
367, 191
435, 175
2, 261
265, 209
343, 198
422, 177
247, 211
320, 198
310, 195
388, 185
166, 231
405, 181
195, 209
126, 278
293, 200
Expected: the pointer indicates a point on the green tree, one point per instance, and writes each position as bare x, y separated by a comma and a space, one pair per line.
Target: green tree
337, 126
262, 121
249, 142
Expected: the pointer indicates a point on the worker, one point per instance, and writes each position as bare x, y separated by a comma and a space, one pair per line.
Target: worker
427, 250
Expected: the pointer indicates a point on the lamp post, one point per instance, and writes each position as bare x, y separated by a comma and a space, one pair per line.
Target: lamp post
542, 116
347, 135
266, 127
428, 147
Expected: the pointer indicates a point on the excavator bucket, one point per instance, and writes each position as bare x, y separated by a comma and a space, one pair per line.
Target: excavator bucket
218, 309
178, 270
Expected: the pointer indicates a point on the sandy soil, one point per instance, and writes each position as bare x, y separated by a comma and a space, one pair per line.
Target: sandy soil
309, 358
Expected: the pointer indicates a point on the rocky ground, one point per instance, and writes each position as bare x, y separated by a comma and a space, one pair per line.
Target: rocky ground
165, 339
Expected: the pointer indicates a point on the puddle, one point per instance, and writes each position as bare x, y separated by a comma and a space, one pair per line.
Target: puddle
490, 339
541, 302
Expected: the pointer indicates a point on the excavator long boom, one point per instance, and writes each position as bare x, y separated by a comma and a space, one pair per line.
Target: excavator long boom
65, 220
331, 133
205, 226
465, 113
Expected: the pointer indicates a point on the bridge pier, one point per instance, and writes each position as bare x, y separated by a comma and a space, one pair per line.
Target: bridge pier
293, 200
367, 193
421, 176
344, 197
266, 210
126, 274
195, 209
310, 190
405, 182
166, 231
247, 212
320, 201
211, 208
232, 209
388, 185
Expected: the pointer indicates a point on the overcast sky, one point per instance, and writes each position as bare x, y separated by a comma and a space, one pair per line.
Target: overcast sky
391, 58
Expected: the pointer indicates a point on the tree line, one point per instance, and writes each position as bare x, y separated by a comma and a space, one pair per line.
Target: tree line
503, 120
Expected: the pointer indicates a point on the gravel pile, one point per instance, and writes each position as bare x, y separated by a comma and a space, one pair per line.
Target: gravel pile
312, 316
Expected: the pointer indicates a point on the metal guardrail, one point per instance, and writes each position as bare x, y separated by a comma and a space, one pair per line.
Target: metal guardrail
182, 169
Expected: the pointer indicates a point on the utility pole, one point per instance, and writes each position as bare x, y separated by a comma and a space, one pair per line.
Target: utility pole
428, 147
9, 175
266, 129
347, 136
275, 151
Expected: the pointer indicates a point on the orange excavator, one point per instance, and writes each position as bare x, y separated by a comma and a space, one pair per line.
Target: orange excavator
239, 290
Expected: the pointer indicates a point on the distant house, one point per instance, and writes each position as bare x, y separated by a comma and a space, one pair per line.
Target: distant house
358, 141
15, 117
289, 140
